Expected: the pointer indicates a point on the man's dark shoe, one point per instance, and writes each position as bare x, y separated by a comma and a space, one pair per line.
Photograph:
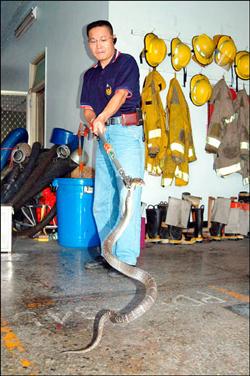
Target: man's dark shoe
98, 263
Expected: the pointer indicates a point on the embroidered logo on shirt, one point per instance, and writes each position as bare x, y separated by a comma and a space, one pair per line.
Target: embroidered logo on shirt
108, 89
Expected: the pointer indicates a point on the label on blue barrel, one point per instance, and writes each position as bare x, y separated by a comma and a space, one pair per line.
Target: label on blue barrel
88, 189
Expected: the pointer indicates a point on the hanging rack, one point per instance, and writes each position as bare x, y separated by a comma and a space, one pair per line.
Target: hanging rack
132, 32
191, 75
142, 34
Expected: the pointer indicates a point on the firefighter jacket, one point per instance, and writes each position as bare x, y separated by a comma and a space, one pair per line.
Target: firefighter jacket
180, 150
241, 105
154, 118
227, 134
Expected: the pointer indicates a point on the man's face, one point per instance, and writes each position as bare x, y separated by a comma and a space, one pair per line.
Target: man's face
101, 44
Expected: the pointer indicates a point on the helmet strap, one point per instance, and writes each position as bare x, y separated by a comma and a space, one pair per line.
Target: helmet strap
141, 56
232, 76
184, 77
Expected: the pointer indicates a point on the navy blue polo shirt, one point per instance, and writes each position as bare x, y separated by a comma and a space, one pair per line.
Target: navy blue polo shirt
100, 85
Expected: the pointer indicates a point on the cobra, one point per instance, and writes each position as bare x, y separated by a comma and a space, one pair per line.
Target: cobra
130, 271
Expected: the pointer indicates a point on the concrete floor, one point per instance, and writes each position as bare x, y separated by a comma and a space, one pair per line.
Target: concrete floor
199, 324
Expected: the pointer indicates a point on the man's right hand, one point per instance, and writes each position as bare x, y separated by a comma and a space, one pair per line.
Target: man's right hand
98, 125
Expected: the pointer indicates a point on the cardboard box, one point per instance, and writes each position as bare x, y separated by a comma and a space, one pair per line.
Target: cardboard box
6, 228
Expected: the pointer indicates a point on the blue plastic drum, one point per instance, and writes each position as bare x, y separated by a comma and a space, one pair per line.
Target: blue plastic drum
75, 220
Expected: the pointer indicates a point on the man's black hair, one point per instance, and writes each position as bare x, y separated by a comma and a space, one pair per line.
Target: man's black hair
99, 23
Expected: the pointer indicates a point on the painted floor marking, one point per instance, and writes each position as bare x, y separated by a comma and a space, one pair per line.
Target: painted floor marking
233, 294
12, 342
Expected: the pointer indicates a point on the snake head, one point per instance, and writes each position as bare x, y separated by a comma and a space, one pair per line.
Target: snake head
137, 181
133, 182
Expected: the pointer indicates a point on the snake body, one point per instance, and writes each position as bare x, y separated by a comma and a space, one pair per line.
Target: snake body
130, 271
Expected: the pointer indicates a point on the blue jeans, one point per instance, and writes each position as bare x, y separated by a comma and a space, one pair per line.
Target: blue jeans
110, 192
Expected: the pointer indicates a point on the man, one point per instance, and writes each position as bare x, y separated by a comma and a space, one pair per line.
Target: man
110, 92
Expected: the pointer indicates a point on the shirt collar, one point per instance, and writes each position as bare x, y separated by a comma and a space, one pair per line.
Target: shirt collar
114, 58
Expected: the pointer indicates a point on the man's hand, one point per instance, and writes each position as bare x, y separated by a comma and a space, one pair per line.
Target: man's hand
89, 116
98, 125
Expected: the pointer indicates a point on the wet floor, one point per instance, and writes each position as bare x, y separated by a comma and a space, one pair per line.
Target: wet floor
199, 324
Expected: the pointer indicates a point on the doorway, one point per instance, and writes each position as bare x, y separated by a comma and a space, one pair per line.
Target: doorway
40, 115
36, 108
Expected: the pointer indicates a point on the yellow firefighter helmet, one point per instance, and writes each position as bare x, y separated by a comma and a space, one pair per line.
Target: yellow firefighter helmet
200, 89
180, 54
242, 65
225, 51
155, 50
203, 47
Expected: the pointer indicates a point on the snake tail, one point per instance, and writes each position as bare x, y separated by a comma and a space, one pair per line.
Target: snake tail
97, 339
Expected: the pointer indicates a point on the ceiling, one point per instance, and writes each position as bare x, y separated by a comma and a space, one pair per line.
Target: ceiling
10, 14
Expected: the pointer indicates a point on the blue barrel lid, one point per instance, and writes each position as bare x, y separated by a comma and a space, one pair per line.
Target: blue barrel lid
73, 181
62, 136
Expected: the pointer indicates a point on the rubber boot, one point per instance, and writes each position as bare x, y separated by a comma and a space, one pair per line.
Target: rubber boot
175, 234
244, 196
216, 230
185, 194
188, 232
198, 222
163, 206
163, 232
153, 215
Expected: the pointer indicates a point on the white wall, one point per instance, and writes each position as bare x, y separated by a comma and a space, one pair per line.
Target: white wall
60, 28
132, 20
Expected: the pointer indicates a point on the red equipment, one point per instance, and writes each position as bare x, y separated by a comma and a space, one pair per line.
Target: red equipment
46, 201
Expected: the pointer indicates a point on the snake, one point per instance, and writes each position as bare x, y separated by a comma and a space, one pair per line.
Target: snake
130, 271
